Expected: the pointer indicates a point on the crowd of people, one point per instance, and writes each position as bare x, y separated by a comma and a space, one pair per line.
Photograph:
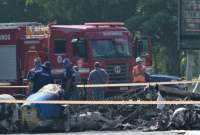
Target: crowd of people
40, 75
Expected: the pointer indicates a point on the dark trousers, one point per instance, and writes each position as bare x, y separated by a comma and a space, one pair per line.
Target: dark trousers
98, 93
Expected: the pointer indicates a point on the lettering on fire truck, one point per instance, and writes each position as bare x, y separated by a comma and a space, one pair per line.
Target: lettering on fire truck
59, 59
5, 37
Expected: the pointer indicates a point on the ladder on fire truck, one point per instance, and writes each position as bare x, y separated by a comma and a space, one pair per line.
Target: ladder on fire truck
33, 29
37, 31
18, 24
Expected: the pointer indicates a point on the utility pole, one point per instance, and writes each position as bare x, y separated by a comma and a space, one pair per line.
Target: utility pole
198, 53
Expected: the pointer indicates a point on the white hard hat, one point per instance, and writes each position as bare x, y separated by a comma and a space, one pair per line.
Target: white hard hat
138, 59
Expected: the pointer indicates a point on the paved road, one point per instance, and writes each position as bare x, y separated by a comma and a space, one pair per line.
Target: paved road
180, 132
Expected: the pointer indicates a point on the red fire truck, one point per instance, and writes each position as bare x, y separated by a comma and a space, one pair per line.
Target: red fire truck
109, 43
17, 50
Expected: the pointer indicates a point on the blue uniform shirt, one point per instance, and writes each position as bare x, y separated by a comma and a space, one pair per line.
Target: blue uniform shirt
32, 72
41, 78
68, 72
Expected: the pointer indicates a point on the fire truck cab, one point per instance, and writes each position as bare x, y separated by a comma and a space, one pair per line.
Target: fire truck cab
109, 43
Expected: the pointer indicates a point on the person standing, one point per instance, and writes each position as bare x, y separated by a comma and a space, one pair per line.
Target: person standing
42, 77
138, 71
98, 76
76, 79
37, 66
67, 81
31, 73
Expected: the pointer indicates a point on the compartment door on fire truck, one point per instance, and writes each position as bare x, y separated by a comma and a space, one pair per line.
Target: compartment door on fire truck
79, 48
59, 50
8, 68
80, 54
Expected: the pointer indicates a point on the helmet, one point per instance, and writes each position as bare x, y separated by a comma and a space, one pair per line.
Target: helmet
138, 59
66, 61
47, 65
75, 68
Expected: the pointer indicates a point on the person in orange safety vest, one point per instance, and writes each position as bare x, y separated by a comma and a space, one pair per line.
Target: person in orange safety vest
138, 71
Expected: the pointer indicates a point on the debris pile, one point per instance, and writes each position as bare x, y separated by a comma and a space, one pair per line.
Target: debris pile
120, 117
9, 115
187, 118
116, 117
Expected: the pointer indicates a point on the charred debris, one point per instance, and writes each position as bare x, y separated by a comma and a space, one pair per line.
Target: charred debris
72, 118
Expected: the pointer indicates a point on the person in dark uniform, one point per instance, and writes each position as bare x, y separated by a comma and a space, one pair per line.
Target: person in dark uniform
42, 77
31, 73
37, 66
67, 81
76, 79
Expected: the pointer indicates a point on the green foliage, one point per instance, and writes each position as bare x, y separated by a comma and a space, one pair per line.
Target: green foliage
29, 2
79, 11
157, 18
18, 10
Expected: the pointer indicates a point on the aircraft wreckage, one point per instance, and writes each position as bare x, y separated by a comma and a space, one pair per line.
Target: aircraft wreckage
29, 117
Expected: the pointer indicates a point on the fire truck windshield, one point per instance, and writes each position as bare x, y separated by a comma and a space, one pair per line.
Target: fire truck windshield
108, 48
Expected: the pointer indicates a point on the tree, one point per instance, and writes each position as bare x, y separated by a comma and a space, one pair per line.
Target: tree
76, 12
158, 18
17, 10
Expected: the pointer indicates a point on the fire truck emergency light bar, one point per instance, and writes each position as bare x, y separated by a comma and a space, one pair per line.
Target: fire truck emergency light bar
21, 24
105, 24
